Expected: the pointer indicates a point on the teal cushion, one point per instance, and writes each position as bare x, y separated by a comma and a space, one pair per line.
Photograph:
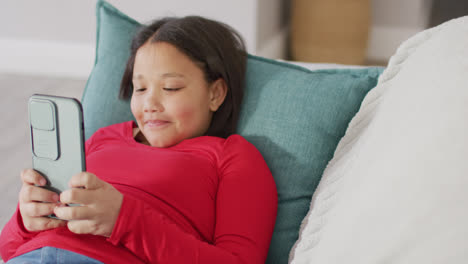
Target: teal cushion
294, 116
101, 106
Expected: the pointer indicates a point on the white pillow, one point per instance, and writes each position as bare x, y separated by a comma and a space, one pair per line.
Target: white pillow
396, 190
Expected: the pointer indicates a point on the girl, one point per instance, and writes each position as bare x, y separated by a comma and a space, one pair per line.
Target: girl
176, 186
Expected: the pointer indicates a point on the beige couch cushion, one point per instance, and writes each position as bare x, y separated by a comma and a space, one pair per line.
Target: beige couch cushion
396, 190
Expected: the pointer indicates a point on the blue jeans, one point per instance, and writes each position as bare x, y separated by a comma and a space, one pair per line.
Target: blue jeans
52, 255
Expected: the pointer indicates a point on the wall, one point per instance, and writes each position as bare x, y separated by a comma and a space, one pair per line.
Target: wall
57, 37
393, 22
272, 28
49, 37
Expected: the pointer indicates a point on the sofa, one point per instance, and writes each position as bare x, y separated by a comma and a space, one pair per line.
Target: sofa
368, 161
296, 146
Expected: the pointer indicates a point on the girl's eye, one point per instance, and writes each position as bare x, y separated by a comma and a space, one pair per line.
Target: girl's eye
140, 89
171, 89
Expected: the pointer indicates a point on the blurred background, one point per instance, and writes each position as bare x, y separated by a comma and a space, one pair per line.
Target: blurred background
57, 37
48, 46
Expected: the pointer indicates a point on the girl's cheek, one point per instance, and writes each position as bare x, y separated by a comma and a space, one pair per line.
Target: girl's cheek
134, 106
132, 103
185, 111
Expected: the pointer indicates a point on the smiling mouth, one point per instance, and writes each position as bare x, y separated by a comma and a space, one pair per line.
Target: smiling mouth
156, 123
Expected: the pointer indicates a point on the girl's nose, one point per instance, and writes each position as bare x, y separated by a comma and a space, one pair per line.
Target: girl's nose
153, 104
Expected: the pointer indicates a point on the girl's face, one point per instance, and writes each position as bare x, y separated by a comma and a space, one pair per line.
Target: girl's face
171, 99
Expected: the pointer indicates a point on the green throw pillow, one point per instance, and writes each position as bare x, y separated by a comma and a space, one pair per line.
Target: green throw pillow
294, 116
101, 106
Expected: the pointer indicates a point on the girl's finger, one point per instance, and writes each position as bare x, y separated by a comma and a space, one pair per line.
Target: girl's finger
73, 212
43, 223
85, 180
30, 193
31, 177
78, 196
82, 227
37, 209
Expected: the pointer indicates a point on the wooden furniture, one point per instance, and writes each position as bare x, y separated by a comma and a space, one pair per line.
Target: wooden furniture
331, 31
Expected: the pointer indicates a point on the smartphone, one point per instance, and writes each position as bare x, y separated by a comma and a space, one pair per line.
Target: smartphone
57, 139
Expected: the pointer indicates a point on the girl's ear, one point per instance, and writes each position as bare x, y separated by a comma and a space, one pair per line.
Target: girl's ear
218, 91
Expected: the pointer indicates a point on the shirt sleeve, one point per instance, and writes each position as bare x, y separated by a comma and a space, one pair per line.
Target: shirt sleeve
13, 235
246, 206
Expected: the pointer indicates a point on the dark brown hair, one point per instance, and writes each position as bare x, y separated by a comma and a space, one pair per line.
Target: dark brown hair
215, 47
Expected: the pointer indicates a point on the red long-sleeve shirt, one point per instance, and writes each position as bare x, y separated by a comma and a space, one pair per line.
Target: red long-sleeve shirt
204, 200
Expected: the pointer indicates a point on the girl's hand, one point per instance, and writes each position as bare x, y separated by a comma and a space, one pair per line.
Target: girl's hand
35, 203
99, 205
